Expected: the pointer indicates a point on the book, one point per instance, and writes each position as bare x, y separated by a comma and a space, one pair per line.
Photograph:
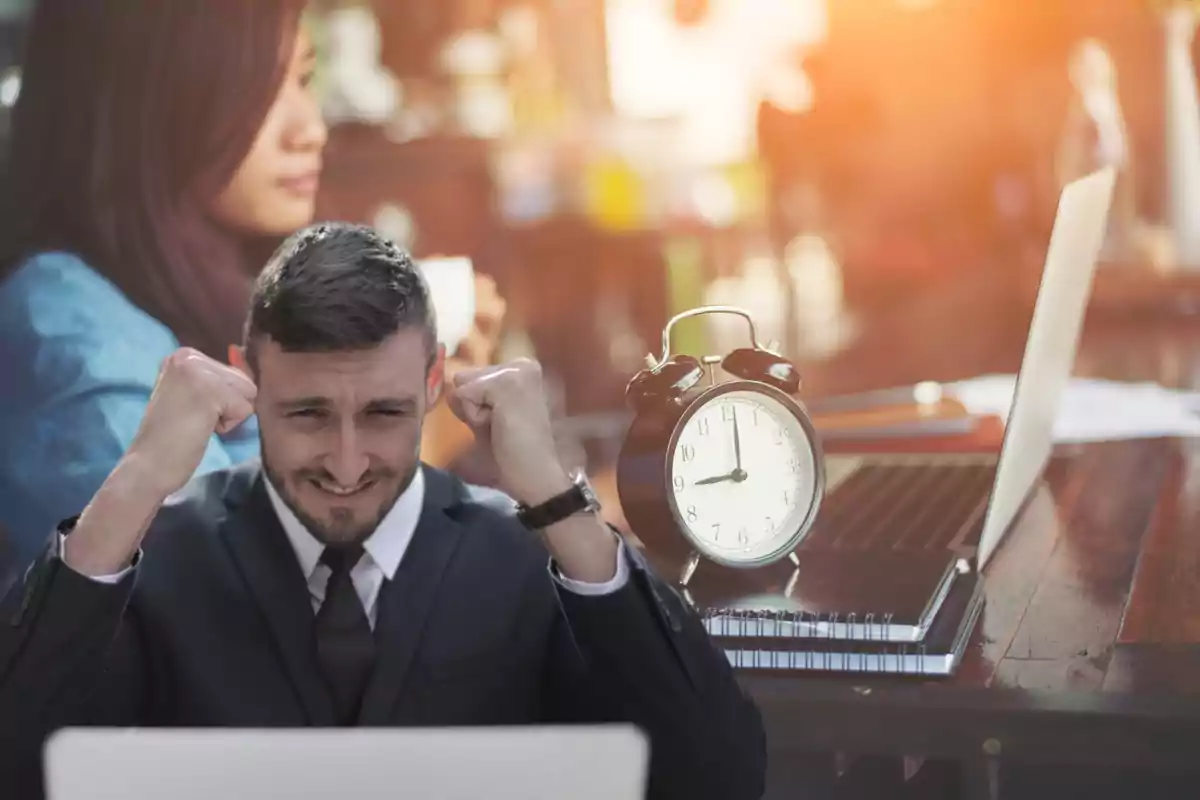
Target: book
938, 654
863, 595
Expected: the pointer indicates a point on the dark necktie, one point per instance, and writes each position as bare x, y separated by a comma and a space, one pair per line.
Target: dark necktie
345, 644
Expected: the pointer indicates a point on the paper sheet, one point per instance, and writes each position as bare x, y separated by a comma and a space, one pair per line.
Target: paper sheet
1093, 410
451, 284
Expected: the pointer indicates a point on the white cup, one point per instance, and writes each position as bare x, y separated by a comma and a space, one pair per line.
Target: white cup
451, 282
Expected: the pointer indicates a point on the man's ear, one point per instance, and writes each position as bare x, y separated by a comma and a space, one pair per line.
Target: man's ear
435, 379
237, 360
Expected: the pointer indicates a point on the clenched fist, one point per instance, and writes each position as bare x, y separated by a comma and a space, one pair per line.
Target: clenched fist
506, 406
195, 396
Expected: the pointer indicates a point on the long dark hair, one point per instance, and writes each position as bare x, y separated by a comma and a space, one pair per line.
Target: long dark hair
132, 115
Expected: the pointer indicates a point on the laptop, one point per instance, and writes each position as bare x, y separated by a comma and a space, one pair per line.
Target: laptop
896, 531
606, 762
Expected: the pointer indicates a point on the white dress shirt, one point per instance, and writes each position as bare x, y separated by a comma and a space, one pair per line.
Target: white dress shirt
383, 551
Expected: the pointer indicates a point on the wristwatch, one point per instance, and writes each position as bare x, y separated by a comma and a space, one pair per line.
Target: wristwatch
580, 497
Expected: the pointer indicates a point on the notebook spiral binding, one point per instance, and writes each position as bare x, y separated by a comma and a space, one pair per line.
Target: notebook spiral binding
763, 624
797, 641
902, 659
768, 641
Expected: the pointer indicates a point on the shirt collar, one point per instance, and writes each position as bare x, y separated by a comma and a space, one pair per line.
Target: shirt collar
386, 546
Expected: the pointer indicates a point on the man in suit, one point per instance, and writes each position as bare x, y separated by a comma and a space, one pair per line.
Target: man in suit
343, 583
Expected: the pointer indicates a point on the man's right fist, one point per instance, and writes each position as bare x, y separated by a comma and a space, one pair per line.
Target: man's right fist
194, 397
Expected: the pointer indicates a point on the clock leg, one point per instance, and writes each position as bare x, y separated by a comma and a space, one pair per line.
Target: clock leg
689, 569
791, 584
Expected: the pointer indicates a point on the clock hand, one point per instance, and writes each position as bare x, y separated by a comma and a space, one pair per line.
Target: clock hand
719, 479
738, 473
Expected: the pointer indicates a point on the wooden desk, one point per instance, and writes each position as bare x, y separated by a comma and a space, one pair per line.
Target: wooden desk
1088, 651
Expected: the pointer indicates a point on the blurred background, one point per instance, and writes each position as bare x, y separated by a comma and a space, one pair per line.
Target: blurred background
827, 164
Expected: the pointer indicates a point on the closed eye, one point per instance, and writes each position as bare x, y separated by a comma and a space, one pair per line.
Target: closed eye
390, 409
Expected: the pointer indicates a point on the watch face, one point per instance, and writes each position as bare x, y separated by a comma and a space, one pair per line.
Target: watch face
745, 476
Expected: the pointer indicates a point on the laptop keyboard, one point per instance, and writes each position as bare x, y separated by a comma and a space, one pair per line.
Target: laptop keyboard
905, 506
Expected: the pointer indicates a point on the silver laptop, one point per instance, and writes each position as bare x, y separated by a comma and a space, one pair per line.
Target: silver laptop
531, 763
965, 502
1062, 299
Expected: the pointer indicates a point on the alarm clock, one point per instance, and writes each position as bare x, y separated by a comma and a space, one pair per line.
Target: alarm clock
726, 469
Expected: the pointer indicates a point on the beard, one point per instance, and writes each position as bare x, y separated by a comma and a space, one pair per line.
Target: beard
343, 528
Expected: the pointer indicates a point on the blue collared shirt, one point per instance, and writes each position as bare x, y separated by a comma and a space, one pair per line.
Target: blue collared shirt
78, 362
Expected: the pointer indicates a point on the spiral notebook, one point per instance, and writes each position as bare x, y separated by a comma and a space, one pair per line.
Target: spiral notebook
939, 653
874, 595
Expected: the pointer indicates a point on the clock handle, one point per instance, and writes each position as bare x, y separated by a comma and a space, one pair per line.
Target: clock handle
696, 312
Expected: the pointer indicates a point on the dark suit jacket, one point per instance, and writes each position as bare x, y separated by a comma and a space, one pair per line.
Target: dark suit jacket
215, 628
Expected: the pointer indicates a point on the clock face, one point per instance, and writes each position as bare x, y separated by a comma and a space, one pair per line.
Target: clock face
744, 477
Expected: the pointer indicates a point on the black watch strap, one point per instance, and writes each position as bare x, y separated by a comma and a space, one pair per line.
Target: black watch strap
579, 497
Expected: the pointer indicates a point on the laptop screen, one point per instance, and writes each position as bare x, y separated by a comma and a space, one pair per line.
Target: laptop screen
1075, 243
583, 762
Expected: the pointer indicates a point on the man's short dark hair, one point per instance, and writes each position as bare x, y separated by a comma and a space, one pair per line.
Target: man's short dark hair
334, 287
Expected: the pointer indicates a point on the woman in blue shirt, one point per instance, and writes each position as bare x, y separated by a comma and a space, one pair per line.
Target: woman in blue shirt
159, 151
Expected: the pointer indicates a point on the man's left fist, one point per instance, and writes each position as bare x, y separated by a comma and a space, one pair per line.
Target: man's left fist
505, 405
